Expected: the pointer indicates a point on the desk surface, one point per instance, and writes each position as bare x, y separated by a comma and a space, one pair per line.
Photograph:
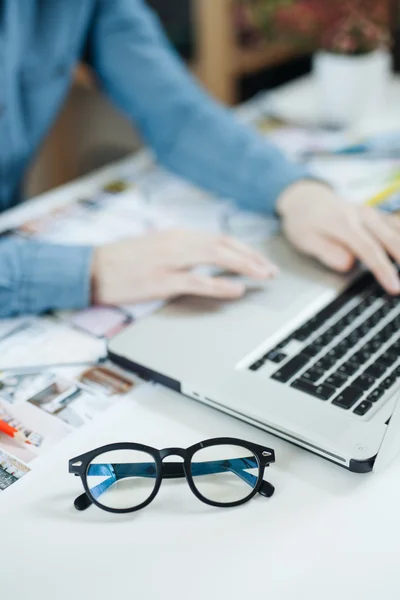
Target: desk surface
326, 533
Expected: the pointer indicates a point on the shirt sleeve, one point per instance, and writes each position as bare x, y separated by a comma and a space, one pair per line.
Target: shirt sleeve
35, 277
190, 133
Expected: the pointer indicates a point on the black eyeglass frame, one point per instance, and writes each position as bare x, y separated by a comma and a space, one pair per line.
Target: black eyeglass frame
80, 464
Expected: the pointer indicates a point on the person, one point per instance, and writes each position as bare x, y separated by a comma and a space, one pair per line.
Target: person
192, 135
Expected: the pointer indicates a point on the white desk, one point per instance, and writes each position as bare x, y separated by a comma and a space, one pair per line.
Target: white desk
325, 534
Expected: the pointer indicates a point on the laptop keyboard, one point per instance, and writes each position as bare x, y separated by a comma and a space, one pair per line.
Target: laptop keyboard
347, 354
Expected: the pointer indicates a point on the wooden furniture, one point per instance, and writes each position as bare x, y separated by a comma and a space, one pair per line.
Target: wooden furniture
220, 61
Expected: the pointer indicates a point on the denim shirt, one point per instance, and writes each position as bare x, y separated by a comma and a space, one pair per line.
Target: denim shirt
191, 134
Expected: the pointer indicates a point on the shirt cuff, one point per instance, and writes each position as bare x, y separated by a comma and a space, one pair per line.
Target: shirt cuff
53, 277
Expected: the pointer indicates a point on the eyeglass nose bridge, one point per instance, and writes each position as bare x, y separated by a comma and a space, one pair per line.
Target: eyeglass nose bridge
173, 470
172, 452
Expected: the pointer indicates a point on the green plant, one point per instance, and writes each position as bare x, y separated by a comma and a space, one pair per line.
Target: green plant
341, 26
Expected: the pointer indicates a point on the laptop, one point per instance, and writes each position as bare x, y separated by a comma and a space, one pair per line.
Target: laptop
312, 357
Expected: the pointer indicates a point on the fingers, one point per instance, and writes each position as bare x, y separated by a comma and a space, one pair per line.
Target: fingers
393, 221
192, 249
369, 250
230, 259
360, 232
244, 249
235, 256
385, 230
332, 254
194, 284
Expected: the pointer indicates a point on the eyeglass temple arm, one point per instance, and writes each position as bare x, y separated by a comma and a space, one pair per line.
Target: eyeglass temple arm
170, 471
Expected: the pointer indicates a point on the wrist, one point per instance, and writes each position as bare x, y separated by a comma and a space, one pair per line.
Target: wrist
303, 189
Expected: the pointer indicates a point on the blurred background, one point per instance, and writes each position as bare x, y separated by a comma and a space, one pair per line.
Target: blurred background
236, 48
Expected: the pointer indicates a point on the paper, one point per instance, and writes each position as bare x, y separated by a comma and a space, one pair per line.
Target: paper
106, 381
99, 321
48, 343
357, 179
11, 470
18, 387
44, 429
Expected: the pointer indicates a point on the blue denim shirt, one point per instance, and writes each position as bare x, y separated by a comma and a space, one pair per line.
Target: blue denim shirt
192, 135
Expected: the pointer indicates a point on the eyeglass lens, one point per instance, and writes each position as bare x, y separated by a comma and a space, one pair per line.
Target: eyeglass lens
122, 479
225, 474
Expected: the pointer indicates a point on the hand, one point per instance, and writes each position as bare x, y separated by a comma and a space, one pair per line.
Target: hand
160, 266
321, 224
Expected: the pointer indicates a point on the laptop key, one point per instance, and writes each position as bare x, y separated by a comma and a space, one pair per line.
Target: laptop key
323, 392
385, 309
372, 346
348, 397
351, 316
275, 356
373, 320
325, 363
388, 382
344, 345
387, 358
342, 348
312, 350
391, 327
360, 357
364, 329
355, 336
283, 343
302, 334
395, 348
376, 394
377, 370
392, 301
290, 369
364, 382
337, 352
348, 369
362, 408
378, 339
326, 338
336, 380
359, 309
336, 329
257, 365
312, 375
385, 334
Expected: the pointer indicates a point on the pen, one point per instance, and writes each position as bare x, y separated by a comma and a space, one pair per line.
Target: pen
355, 151
386, 193
18, 436
380, 146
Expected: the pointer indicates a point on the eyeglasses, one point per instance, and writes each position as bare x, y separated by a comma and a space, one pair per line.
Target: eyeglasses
122, 478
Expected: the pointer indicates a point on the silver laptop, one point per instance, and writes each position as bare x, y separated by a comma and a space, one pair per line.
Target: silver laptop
312, 357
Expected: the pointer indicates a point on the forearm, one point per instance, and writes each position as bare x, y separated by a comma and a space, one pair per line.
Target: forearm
231, 160
35, 277
191, 134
